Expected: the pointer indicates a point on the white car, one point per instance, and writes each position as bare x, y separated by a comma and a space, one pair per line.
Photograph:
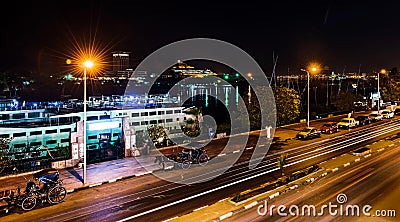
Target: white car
387, 114
375, 117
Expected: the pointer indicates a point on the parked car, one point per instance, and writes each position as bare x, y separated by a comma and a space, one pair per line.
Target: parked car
347, 123
375, 117
387, 114
308, 133
329, 127
364, 120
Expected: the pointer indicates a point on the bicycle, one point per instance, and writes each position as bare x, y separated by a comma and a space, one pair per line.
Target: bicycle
189, 156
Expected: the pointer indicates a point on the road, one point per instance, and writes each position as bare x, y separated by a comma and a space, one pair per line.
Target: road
149, 198
374, 182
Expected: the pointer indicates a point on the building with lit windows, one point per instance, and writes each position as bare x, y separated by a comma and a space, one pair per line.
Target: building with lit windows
120, 61
38, 133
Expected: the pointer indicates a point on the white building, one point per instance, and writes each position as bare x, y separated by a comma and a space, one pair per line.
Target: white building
36, 134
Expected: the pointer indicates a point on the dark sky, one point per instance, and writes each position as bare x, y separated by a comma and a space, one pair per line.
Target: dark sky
339, 34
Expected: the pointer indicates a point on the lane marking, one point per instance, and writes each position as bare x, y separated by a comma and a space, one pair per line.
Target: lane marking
200, 208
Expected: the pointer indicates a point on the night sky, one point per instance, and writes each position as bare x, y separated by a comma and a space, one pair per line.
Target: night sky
340, 34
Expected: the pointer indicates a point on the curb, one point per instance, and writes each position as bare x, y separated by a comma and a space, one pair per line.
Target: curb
110, 181
20, 174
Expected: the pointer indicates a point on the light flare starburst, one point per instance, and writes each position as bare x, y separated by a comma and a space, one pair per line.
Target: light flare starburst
87, 54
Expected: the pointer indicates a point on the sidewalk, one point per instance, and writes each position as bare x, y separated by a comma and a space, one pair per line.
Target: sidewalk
97, 174
100, 173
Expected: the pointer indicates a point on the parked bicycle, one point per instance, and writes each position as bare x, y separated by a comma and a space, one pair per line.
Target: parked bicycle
195, 155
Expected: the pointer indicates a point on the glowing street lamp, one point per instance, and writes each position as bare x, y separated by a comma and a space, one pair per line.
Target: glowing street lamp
314, 69
91, 57
383, 71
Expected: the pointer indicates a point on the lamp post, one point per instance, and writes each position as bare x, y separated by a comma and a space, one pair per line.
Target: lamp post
308, 96
313, 69
383, 71
379, 96
86, 65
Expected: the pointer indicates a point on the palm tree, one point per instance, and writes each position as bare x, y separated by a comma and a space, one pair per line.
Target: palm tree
282, 162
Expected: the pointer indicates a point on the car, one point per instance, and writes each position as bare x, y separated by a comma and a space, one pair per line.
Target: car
308, 133
347, 123
375, 117
387, 114
329, 127
363, 120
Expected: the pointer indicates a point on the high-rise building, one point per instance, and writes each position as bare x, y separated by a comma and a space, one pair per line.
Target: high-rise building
120, 61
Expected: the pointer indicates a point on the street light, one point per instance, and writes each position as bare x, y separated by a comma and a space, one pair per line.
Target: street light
91, 57
86, 65
308, 96
314, 70
383, 71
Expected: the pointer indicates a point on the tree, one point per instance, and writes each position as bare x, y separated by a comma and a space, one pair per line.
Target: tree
391, 92
390, 89
158, 134
196, 113
192, 125
344, 101
4, 159
282, 162
189, 128
287, 105
394, 74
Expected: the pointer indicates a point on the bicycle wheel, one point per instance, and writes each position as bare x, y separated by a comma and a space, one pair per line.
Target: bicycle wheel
203, 159
56, 194
185, 164
28, 203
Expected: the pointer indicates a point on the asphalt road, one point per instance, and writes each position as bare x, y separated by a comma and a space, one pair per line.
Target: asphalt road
374, 182
148, 198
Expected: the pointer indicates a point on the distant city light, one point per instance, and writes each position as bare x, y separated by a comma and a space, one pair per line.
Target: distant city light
69, 77
226, 76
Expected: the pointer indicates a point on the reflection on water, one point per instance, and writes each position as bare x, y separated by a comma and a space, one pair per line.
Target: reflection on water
237, 95
214, 99
249, 94
203, 95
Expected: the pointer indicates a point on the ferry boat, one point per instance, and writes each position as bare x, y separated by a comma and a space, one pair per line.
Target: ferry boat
55, 130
